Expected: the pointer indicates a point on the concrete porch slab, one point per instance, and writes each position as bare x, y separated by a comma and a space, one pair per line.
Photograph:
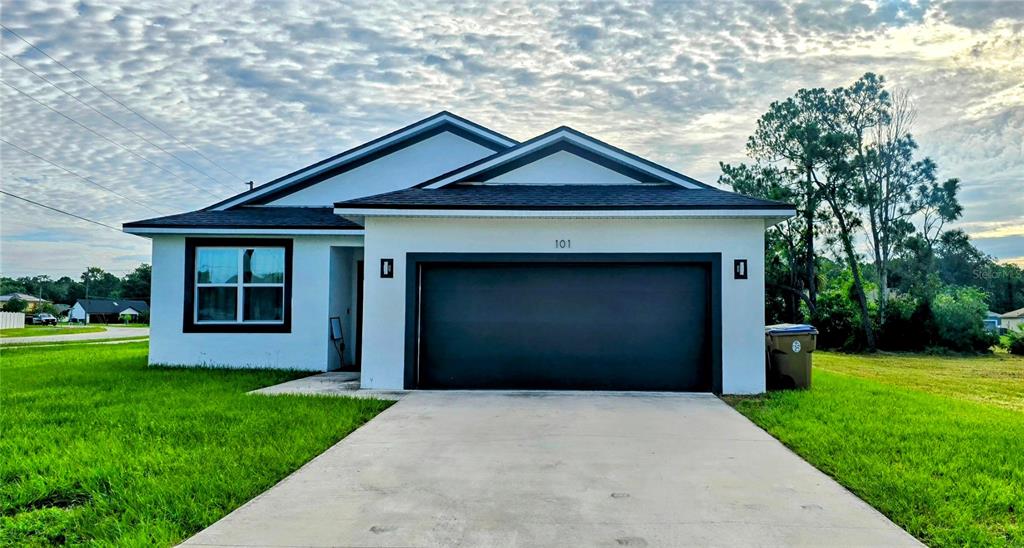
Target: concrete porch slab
332, 383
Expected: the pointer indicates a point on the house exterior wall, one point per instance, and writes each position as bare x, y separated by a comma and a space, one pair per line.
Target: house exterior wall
306, 347
399, 170
1011, 324
77, 313
383, 352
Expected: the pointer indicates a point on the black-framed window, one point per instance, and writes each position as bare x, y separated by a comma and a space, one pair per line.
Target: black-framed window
237, 285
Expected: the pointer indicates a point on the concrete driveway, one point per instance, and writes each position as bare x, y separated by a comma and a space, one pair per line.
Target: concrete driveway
556, 469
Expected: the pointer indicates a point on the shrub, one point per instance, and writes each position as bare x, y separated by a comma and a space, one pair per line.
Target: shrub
835, 319
838, 317
959, 314
46, 308
908, 326
1015, 341
15, 305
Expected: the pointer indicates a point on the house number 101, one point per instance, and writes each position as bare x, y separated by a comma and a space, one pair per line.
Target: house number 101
563, 244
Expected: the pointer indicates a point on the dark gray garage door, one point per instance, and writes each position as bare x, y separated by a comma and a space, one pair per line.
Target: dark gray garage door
584, 326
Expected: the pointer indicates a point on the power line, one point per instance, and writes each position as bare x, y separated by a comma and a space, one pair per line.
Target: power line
114, 99
83, 177
68, 213
103, 114
108, 139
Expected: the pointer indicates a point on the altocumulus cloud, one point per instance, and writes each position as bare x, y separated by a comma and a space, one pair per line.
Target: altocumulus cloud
263, 89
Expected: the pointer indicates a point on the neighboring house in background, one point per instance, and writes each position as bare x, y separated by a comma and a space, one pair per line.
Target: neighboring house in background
561, 262
31, 301
1012, 320
992, 321
106, 310
61, 310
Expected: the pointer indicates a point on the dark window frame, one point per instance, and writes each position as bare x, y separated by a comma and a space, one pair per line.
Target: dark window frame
189, 325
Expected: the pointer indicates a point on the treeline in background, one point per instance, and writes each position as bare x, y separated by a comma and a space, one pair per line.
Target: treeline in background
94, 283
847, 159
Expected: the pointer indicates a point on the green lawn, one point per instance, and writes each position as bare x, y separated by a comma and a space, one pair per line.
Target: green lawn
97, 448
44, 330
935, 443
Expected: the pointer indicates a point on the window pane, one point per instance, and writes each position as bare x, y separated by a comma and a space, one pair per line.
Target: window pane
263, 266
216, 266
264, 304
217, 304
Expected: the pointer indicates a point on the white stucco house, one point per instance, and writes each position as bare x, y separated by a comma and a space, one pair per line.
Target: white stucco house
453, 256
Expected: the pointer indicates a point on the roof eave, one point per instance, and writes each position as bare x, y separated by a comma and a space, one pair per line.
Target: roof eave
775, 215
150, 231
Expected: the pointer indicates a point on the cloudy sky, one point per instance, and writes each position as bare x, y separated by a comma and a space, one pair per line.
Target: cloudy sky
240, 91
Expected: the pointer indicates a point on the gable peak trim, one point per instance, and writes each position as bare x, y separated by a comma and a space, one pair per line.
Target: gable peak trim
561, 136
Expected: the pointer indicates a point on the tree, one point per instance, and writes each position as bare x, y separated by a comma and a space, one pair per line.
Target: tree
789, 139
940, 205
136, 284
14, 304
894, 188
10, 285
958, 262
67, 290
100, 283
46, 308
850, 114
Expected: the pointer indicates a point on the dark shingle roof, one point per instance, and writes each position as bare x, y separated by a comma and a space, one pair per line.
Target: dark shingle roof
252, 217
112, 306
562, 197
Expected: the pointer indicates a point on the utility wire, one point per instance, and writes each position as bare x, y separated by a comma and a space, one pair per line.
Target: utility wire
68, 213
104, 137
114, 99
83, 177
103, 114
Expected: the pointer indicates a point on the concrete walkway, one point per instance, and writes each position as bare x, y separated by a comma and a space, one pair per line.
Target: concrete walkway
110, 333
556, 469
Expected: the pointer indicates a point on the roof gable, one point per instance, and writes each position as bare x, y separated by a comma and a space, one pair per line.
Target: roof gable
502, 166
563, 163
442, 122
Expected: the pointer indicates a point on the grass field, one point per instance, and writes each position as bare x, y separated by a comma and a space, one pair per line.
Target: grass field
99, 449
935, 443
45, 330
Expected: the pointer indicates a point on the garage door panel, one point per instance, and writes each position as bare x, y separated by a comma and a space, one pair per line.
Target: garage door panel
564, 326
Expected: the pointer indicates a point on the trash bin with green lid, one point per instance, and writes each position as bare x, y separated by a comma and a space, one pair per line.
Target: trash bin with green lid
789, 348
